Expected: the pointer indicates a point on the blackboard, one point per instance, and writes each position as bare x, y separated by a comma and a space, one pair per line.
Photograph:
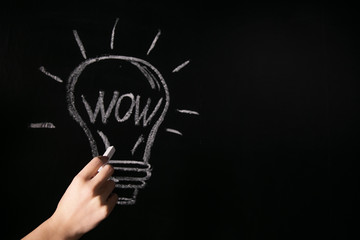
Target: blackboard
260, 136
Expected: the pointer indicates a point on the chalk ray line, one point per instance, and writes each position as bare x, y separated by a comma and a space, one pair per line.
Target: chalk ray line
42, 125
56, 78
113, 34
170, 130
154, 42
185, 111
80, 44
178, 68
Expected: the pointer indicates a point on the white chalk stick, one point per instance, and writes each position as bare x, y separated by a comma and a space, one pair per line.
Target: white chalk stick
108, 153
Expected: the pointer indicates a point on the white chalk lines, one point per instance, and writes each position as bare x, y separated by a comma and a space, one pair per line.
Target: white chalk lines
42, 125
183, 111
113, 34
174, 131
187, 111
130, 174
56, 78
154, 42
80, 44
181, 66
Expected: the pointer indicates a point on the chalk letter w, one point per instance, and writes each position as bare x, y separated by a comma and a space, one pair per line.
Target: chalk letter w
100, 107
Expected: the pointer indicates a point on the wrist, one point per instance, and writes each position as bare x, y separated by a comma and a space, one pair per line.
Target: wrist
59, 230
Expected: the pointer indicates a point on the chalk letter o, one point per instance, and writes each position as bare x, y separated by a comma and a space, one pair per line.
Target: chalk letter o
129, 111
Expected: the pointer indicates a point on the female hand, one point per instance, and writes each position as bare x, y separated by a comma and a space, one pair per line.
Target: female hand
87, 201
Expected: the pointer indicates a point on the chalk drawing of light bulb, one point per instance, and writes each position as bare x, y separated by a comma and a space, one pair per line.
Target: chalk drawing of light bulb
121, 101
130, 174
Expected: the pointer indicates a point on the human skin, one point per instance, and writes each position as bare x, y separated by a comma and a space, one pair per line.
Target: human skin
87, 201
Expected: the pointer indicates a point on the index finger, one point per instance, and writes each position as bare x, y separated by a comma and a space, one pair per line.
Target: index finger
91, 169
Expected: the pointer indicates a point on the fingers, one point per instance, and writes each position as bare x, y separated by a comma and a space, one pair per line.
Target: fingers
106, 189
91, 169
104, 174
107, 198
111, 202
99, 179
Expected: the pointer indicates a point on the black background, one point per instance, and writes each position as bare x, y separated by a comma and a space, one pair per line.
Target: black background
272, 155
